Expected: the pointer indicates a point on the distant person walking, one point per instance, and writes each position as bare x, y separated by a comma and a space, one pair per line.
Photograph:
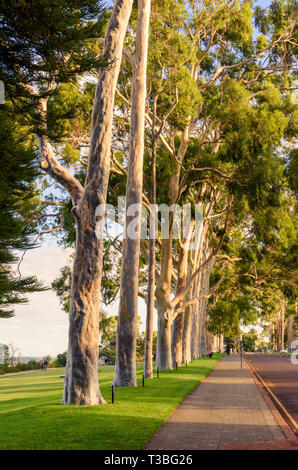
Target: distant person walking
41, 365
45, 363
228, 349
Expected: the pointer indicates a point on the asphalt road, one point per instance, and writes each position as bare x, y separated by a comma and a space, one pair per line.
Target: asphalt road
281, 375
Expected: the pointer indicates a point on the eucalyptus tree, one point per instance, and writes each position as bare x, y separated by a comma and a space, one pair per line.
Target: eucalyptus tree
60, 52
125, 371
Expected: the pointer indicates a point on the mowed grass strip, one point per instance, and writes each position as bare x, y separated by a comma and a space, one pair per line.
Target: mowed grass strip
31, 416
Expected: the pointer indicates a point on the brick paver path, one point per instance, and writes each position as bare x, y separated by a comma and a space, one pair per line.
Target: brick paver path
226, 407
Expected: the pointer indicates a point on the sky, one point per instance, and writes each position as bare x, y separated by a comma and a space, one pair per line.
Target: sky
40, 327
263, 3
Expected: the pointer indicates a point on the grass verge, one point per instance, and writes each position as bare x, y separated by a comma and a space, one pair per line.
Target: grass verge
31, 416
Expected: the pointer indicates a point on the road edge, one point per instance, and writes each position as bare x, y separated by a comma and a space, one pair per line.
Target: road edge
287, 431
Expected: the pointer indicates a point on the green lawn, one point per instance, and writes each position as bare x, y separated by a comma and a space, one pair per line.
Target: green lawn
31, 416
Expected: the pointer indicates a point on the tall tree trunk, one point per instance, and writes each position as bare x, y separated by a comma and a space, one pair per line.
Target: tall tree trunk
221, 343
291, 333
162, 294
177, 339
196, 259
125, 370
188, 318
190, 324
283, 324
81, 379
199, 342
203, 346
163, 290
200, 318
195, 330
273, 335
190, 312
164, 352
203, 312
178, 323
148, 366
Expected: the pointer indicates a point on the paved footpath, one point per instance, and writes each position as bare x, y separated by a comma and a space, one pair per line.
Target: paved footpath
225, 408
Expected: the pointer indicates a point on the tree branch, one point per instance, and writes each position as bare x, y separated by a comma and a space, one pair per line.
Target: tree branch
49, 162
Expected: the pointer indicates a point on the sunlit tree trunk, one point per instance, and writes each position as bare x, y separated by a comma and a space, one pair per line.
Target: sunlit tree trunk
148, 365
196, 321
81, 379
163, 289
191, 322
125, 370
164, 353
281, 326
199, 341
163, 296
178, 324
188, 317
164, 320
203, 305
221, 343
291, 333
273, 341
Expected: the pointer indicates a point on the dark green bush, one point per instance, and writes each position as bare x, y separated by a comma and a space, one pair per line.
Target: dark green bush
19, 367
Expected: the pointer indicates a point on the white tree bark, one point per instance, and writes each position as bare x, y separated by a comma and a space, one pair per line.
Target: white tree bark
164, 353
178, 324
125, 371
148, 362
281, 326
81, 380
187, 333
221, 343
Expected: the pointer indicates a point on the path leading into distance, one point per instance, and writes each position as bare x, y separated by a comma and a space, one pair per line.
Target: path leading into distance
225, 411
